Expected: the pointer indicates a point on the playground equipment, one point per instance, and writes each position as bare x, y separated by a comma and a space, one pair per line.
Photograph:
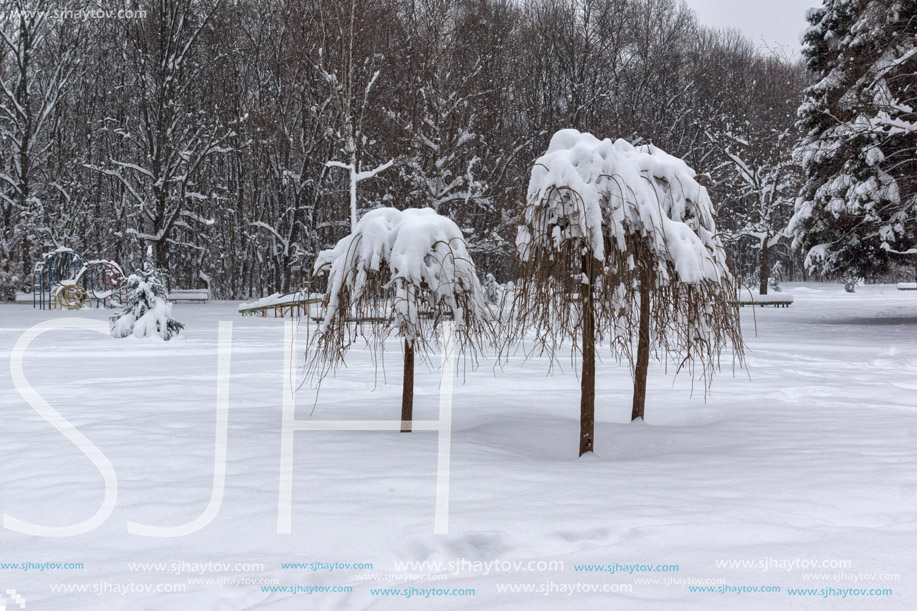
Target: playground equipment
64, 279
292, 304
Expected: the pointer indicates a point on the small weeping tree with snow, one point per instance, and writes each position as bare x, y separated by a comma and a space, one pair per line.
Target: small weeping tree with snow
620, 242
400, 273
148, 311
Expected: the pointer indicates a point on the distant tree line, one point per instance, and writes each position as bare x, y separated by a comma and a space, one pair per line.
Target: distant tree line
201, 131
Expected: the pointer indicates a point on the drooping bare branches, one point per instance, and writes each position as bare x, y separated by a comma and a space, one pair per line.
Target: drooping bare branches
400, 273
620, 241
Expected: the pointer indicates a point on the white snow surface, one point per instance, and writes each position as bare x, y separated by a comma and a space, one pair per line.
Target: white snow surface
595, 188
812, 459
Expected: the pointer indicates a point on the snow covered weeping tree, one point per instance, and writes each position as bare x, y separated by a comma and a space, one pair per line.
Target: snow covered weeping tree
620, 241
402, 273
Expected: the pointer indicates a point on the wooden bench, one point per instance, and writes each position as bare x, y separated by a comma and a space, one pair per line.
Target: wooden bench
777, 300
189, 295
907, 286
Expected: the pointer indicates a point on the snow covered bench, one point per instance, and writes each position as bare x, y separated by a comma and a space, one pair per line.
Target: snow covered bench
907, 286
777, 300
293, 304
189, 295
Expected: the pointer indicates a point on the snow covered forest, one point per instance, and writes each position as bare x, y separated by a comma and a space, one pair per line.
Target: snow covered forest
225, 134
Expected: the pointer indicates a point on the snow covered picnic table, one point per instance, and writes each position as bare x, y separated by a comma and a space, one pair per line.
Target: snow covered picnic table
296, 302
907, 286
778, 300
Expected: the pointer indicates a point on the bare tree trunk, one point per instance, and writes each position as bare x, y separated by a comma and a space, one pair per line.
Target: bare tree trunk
587, 393
764, 268
407, 392
643, 349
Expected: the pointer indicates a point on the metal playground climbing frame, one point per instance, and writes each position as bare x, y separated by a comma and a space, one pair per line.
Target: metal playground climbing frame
64, 279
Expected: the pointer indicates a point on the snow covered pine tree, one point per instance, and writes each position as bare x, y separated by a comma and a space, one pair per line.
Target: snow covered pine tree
620, 241
857, 213
402, 272
147, 311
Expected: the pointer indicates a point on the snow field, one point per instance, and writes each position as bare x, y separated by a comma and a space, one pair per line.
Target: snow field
809, 456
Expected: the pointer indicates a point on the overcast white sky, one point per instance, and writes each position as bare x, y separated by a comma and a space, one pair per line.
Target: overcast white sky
771, 21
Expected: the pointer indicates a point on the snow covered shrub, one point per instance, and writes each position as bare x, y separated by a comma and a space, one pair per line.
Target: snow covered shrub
776, 277
620, 241
493, 290
402, 273
147, 311
850, 283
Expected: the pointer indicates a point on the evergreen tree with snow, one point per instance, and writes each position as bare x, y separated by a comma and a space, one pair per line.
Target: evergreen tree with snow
857, 212
147, 312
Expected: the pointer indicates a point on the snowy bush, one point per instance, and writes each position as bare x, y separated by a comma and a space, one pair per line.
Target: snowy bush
776, 277
850, 283
493, 290
147, 312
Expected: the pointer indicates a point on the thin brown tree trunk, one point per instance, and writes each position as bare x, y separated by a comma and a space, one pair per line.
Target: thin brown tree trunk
764, 268
407, 393
643, 349
587, 396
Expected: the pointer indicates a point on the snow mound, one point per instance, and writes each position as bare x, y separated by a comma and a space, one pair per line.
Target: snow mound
601, 191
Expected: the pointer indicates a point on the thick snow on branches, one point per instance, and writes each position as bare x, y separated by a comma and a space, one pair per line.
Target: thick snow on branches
416, 256
602, 191
858, 204
148, 312
620, 241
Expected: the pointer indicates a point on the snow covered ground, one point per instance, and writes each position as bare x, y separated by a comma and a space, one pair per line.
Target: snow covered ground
803, 476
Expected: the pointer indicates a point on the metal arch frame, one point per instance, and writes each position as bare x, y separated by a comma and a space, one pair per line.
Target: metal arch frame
100, 279
53, 269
